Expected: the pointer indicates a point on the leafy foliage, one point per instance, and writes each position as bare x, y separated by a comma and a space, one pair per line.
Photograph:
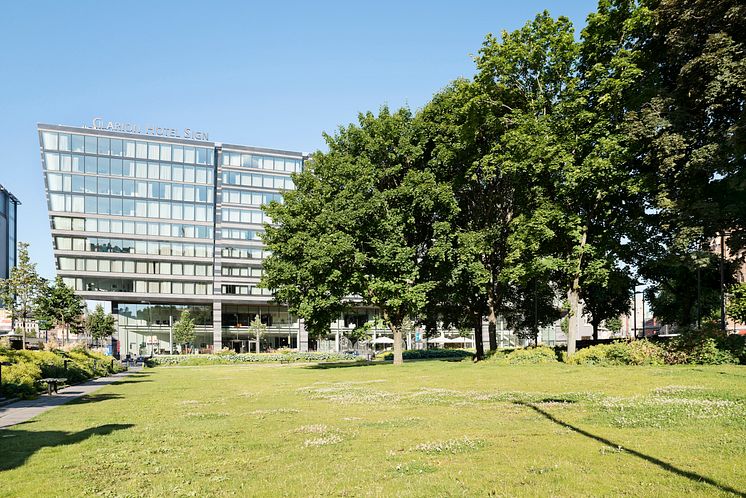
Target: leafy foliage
184, 330
100, 324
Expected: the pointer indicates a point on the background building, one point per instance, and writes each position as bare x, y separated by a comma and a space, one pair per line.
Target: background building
8, 229
156, 225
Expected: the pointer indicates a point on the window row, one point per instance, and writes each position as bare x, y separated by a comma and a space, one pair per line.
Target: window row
244, 216
257, 180
115, 206
250, 198
131, 266
262, 162
96, 284
99, 244
237, 234
128, 169
128, 188
244, 253
105, 146
132, 227
245, 290
241, 271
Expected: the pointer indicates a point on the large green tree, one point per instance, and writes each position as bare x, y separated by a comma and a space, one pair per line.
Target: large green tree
100, 324
368, 214
58, 305
184, 330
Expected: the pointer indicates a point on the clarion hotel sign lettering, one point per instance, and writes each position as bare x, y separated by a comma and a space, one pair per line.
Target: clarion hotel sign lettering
156, 131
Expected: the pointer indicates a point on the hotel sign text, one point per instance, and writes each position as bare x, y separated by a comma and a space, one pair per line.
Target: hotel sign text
156, 131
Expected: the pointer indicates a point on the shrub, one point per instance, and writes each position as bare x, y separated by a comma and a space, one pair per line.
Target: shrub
227, 359
707, 353
425, 354
20, 379
620, 353
531, 356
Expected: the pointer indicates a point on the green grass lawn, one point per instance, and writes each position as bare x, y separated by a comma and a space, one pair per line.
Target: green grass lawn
429, 428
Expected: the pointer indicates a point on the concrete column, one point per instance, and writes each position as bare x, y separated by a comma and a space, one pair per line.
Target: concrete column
302, 336
217, 326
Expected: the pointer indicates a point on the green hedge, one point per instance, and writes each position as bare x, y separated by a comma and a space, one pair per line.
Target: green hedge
228, 359
27, 367
425, 354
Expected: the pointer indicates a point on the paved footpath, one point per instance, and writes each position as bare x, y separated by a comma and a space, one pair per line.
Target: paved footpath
21, 411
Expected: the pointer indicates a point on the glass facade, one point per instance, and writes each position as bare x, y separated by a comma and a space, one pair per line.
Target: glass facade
139, 219
8, 231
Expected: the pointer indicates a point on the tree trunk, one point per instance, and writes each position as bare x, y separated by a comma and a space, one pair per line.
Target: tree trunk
595, 331
478, 343
573, 297
492, 326
398, 356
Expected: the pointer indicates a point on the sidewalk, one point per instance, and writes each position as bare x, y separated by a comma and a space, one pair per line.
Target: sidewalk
21, 411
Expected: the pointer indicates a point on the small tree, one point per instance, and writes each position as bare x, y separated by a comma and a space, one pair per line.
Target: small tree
183, 330
736, 308
21, 289
614, 325
257, 329
100, 324
58, 305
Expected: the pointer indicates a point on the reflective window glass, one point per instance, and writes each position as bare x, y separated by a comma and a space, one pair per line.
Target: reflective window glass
91, 147
104, 146
116, 147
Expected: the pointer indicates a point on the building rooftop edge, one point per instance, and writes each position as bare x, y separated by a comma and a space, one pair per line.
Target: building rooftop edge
142, 136
10, 194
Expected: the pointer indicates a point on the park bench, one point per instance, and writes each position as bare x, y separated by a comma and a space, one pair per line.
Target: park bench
284, 360
53, 383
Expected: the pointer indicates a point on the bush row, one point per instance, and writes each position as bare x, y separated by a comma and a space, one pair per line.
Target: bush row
27, 367
227, 359
423, 354
682, 350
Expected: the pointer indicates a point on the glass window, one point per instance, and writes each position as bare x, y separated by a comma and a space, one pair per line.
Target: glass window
91, 225
104, 146
176, 269
201, 175
189, 155
152, 209
153, 171
103, 166
154, 151
165, 171
129, 148
177, 173
141, 209
128, 209
90, 145
53, 161
116, 167
141, 170
50, 140
64, 142
116, 206
103, 186
116, 225
177, 288
77, 143
201, 155
90, 185
128, 266
128, 168
178, 154
78, 204
91, 165
116, 186
141, 150
165, 287
189, 174
91, 206
165, 152
104, 265
116, 147
103, 205
55, 181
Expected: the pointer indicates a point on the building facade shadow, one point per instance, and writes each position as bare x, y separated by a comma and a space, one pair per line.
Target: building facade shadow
692, 476
19, 445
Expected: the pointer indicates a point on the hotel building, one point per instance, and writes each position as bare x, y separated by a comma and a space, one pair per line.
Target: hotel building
156, 223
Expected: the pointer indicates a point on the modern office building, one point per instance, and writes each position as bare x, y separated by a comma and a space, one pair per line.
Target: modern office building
8, 231
157, 220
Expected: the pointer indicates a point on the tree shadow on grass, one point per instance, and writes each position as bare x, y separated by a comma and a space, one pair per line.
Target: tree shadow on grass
93, 398
344, 364
18, 446
133, 381
693, 476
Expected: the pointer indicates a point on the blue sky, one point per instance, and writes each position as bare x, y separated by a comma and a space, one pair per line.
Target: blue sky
271, 74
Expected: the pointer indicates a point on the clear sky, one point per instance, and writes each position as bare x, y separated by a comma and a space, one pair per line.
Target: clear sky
270, 73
